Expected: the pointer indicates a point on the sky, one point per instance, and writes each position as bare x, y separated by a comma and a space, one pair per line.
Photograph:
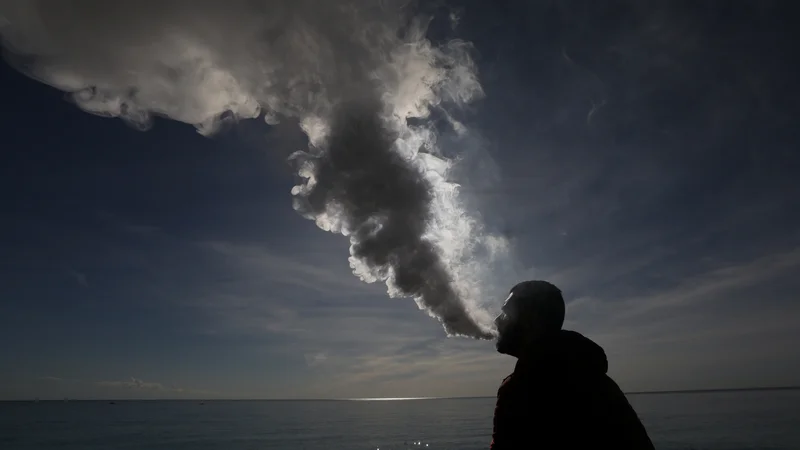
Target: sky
640, 155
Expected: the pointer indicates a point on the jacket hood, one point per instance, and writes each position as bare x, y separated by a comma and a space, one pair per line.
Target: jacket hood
568, 350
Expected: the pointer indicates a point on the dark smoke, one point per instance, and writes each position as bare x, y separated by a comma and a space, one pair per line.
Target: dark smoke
305, 62
384, 203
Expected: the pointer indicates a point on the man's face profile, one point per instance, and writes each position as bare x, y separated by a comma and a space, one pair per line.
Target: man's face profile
506, 324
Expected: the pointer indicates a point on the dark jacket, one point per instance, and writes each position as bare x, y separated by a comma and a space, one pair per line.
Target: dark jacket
559, 397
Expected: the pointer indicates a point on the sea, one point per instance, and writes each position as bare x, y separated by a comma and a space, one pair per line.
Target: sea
754, 420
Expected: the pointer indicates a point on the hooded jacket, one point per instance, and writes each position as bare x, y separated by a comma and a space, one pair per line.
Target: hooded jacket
560, 397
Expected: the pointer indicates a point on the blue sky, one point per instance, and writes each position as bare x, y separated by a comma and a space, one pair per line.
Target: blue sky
643, 159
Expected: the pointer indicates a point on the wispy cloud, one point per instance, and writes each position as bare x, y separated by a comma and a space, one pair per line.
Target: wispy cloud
257, 261
141, 386
79, 278
714, 284
48, 378
720, 284
370, 345
262, 292
315, 359
351, 338
733, 313
133, 383
419, 367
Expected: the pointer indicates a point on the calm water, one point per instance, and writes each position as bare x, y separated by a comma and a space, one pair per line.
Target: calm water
733, 421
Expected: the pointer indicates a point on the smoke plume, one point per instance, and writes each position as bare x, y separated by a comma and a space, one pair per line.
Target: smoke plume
351, 72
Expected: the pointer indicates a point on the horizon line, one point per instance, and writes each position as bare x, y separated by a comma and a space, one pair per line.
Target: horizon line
371, 399
712, 390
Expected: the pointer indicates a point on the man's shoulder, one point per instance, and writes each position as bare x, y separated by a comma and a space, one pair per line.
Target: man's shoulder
504, 384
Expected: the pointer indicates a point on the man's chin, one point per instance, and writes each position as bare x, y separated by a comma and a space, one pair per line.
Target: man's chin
501, 347
506, 348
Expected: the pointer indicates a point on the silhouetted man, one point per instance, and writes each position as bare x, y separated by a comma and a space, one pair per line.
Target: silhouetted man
559, 396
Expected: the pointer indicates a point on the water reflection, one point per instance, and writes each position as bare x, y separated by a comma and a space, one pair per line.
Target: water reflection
407, 444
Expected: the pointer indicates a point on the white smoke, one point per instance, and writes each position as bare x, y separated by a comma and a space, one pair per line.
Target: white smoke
352, 72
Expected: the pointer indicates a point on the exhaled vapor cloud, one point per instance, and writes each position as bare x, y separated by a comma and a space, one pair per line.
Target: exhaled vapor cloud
351, 72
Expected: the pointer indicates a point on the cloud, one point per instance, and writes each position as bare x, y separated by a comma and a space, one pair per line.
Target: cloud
350, 72
306, 306
315, 359
661, 221
421, 366
196, 61
310, 298
719, 284
712, 285
316, 326
140, 386
714, 324
257, 262
133, 383
338, 328
79, 278
265, 289
56, 379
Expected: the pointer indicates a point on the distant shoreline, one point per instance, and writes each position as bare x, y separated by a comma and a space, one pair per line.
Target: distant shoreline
684, 391
709, 391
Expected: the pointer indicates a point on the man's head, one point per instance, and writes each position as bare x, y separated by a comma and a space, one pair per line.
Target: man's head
533, 309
